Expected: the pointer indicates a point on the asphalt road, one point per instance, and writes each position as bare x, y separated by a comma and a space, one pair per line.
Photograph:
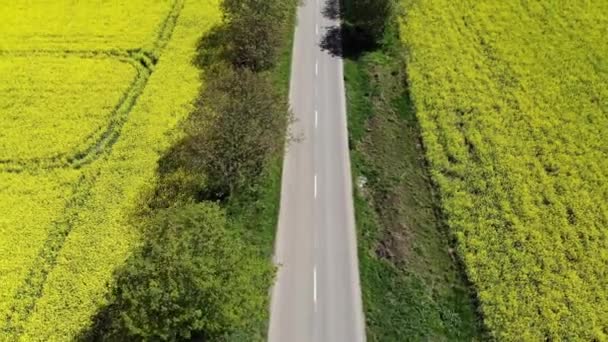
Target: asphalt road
317, 295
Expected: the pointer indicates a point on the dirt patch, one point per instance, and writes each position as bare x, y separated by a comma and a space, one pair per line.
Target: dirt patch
381, 146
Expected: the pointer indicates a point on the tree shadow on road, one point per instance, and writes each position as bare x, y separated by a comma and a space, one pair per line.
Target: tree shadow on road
332, 10
347, 42
344, 40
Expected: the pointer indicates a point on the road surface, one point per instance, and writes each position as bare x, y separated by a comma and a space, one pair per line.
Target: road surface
317, 295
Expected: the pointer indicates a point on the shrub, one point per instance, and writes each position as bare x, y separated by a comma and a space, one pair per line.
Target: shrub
191, 277
255, 31
249, 117
369, 18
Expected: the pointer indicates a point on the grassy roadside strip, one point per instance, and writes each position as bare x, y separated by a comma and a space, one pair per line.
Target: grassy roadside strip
412, 286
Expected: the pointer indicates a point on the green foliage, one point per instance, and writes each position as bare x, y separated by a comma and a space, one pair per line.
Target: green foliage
255, 31
511, 101
190, 277
369, 18
248, 118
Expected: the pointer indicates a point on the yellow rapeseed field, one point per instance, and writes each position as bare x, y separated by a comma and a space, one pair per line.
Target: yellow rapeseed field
56, 106
68, 25
513, 105
91, 95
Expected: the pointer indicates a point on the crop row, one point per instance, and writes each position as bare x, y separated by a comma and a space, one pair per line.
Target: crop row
511, 99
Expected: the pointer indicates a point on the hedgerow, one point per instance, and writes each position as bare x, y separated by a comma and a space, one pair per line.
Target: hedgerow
511, 101
191, 276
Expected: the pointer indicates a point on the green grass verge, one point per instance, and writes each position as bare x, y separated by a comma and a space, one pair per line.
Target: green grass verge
412, 286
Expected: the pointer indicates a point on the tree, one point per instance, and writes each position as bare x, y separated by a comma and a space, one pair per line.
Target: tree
191, 277
369, 17
248, 117
256, 31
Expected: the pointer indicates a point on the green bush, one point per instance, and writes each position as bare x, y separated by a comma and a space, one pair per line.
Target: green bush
369, 18
190, 278
248, 116
255, 31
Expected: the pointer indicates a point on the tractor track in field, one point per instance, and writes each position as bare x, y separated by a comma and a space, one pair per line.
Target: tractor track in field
32, 287
97, 142
143, 61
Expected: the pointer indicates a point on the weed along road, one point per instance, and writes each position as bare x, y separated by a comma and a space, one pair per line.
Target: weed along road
317, 295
